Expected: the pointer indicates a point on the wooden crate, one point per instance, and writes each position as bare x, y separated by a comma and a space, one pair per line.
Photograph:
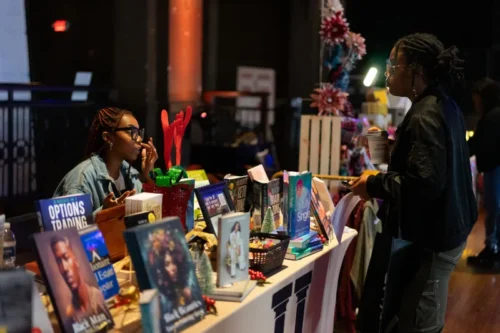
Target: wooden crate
319, 150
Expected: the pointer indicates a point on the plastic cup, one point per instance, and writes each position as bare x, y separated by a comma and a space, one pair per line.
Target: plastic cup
378, 144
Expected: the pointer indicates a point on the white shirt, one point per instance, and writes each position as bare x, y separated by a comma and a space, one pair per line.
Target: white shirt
120, 183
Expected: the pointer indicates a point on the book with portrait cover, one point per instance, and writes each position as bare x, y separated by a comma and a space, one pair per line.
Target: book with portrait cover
78, 302
65, 212
232, 252
98, 256
162, 261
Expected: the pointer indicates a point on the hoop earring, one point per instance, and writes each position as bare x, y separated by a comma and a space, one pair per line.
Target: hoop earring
111, 146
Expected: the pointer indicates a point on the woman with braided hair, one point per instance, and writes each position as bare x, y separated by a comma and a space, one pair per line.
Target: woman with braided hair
427, 191
115, 141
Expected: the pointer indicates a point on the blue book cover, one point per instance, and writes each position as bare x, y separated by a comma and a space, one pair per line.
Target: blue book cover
297, 202
162, 261
71, 211
98, 255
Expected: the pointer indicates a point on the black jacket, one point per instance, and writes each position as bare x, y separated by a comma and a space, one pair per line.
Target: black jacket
485, 143
428, 186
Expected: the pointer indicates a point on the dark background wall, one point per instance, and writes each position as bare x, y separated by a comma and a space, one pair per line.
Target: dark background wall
279, 34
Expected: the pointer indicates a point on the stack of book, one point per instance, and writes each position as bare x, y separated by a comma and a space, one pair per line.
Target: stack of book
304, 246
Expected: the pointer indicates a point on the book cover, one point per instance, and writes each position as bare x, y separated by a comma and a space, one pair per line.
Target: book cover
232, 251
322, 208
78, 302
237, 186
98, 256
303, 241
266, 194
200, 179
304, 253
161, 258
134, 220
149, 303
16, 291
214, 201
297, 202
65, 212
258, 173
144, 202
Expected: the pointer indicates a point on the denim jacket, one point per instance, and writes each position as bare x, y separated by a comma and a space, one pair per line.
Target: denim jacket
91, 176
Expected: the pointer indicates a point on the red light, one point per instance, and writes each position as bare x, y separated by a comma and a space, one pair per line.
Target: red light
60, 25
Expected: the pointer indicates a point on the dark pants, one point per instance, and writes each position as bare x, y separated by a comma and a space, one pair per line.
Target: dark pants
424, 299
491, 181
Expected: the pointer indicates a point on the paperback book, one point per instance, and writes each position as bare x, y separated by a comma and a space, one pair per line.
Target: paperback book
232, 252
98, 256
65, 212
162, 261
78, 302
297, 202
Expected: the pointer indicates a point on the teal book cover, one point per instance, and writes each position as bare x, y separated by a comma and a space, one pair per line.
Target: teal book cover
298, 188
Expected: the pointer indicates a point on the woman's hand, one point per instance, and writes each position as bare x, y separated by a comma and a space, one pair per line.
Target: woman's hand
359, 186
110, 201
149, 157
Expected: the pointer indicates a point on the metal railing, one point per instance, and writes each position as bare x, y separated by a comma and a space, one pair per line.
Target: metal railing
42, 136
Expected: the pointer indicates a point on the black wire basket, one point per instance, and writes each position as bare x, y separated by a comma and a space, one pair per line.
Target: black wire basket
270, 259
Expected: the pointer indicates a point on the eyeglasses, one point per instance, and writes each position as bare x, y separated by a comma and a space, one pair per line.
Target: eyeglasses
134, 132
390, 69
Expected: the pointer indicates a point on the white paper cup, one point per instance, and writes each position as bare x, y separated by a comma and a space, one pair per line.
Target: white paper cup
377, 144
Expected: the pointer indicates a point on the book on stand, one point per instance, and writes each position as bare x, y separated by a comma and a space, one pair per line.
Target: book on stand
98, 256
162, 261
200, 179
70, 281
266, 194
297, 202
322, 208
65, 212
232, 251
237, 186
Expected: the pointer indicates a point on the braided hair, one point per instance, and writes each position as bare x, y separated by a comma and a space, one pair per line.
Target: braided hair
106, 119
439, 65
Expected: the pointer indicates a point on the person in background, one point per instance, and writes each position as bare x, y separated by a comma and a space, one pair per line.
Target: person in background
485, 145
427, 191
115, 140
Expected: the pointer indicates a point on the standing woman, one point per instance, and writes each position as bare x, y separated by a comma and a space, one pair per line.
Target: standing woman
485, 145
427, 191
115, 141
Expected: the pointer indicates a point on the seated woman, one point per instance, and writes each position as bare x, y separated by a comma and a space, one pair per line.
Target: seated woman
115, 140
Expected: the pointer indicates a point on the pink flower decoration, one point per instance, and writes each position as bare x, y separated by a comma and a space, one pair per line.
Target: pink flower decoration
357, 43
329, 100
334, 28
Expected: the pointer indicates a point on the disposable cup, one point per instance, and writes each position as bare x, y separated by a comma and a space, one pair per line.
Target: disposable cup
378, 144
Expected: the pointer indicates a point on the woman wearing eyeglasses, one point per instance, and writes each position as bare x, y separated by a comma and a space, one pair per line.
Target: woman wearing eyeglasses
427, 191
115, 140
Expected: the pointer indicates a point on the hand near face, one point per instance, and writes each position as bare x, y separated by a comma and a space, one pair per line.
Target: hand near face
149, 156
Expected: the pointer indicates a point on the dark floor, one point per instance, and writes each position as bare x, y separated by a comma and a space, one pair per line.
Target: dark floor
474, 297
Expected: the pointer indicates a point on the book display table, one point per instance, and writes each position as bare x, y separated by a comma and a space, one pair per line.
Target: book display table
302, 294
